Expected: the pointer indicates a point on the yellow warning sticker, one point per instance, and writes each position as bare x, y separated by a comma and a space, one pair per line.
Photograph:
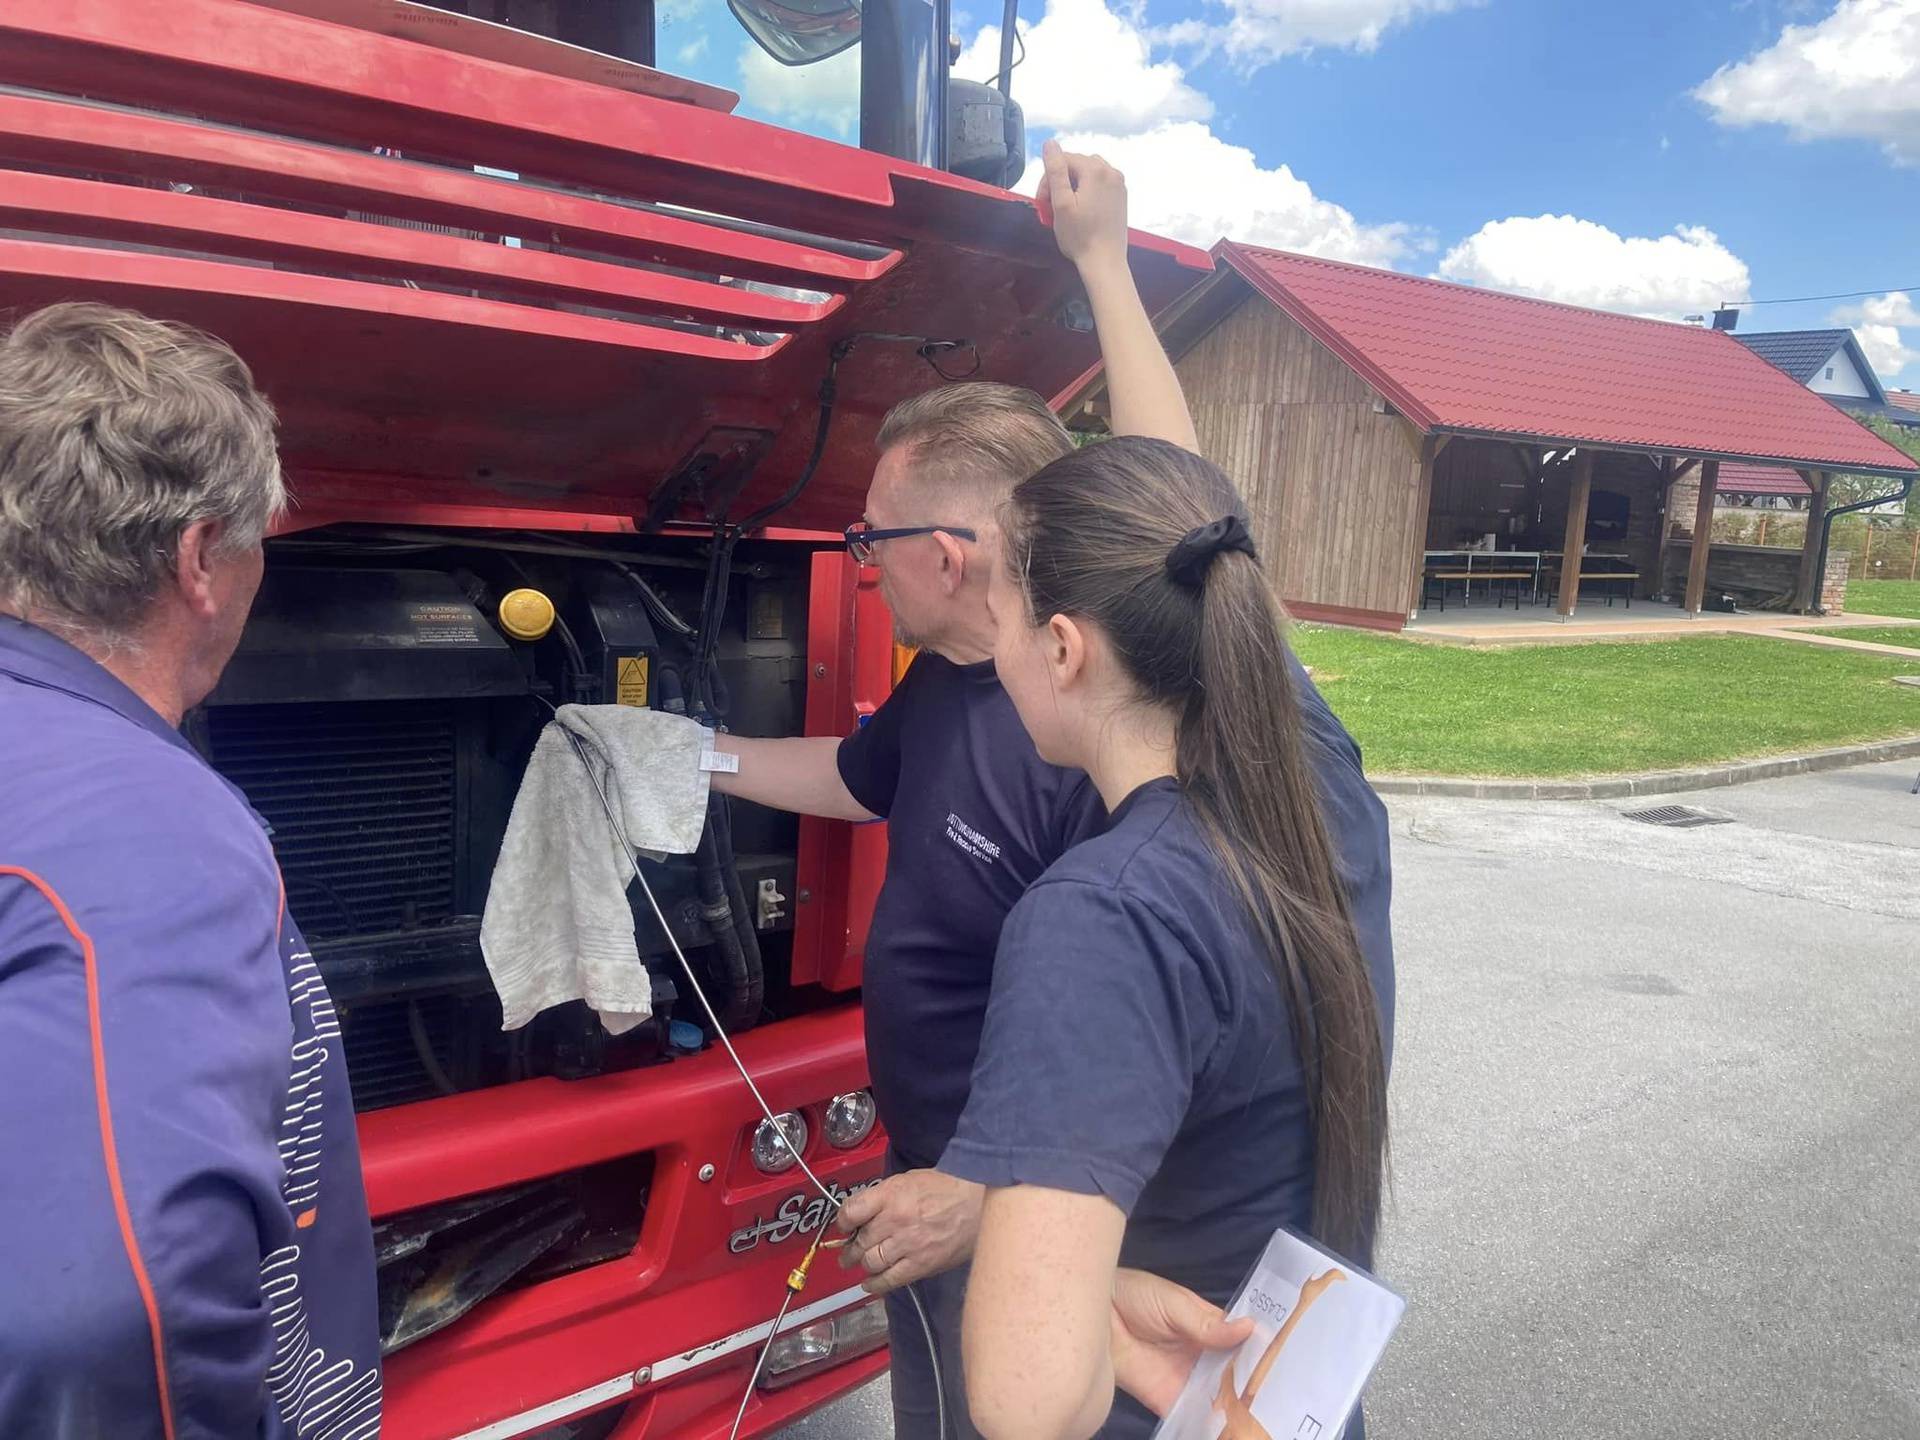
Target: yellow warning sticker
630, 680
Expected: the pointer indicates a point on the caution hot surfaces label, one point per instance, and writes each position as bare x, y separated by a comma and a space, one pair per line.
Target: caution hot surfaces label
630, 680
436, 623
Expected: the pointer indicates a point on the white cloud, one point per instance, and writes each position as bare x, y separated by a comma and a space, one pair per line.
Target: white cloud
1561, 257
692, 50
1258, 31
1877, 324
823, 97
1854, 75
1185, 182
1088, 68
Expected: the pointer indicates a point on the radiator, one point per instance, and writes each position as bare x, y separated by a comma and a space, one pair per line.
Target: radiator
362, 801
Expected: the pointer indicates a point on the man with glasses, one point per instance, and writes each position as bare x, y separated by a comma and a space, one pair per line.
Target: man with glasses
974, 815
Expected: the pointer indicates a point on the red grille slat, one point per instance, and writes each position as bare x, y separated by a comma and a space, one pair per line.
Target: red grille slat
49, 131
160, 217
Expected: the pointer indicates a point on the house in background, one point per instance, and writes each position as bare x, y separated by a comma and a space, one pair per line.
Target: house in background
1371, 417
1831, 363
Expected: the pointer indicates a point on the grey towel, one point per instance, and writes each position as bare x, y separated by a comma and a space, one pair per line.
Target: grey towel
557, 926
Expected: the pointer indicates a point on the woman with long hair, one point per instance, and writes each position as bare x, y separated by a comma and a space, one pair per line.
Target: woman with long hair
1184, 1046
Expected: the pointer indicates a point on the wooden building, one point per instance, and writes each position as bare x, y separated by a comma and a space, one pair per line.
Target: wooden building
1371, 417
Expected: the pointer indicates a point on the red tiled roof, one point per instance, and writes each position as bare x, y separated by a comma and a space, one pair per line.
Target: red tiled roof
1904, 400
1457, 358
1739, 477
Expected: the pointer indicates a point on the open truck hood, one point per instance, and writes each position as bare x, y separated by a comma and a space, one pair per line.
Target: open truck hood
637, 325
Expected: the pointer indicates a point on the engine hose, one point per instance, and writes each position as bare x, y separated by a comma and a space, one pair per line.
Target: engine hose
742, 982
743, 918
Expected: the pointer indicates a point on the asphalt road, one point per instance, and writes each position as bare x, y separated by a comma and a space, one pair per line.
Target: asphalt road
1657, 1121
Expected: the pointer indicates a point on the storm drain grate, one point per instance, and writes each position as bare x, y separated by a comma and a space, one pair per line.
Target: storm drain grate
1675, 817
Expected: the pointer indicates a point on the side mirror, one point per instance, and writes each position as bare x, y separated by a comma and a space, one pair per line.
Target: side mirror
986, 134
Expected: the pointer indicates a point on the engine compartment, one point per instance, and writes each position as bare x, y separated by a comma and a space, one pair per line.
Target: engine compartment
380, 712
379, 715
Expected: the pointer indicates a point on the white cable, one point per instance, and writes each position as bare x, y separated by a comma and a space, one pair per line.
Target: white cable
626, 848
833, 1201
759, 1362
933, 1357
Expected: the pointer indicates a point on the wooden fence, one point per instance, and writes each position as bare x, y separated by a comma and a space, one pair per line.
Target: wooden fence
1879, 551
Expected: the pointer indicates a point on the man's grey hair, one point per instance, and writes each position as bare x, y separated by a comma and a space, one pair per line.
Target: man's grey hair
117, 431
975, 440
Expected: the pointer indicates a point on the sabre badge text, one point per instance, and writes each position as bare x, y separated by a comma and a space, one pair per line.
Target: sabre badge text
796, 1216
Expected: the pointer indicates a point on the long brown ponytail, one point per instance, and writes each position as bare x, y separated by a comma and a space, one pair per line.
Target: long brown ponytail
1090, 536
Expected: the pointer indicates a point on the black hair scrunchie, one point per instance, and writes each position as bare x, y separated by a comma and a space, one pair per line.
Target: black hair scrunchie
1188, 561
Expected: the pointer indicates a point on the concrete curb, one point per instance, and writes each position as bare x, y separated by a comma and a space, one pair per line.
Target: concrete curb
1658, 782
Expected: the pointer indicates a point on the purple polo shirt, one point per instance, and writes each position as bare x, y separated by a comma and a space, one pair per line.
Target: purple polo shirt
183, 1227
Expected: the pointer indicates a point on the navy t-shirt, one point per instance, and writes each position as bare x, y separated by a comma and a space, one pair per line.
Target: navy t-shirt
1138, 1046
974, 817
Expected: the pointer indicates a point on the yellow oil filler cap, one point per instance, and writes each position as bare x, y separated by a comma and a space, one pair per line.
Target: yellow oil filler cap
526, 614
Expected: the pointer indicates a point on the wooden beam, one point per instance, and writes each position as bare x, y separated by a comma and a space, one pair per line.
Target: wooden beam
1576, 538
1422, 503
1683, 469
1416, 439
1702, 537
1419, 443
1669, 474
1806, 591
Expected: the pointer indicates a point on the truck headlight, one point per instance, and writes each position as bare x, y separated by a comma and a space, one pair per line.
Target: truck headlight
850, 1119
798, 1353
777, 1143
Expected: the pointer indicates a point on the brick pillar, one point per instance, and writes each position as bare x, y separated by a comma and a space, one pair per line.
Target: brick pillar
1833, 590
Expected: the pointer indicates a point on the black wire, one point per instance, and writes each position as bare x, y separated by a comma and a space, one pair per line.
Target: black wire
1003, 78
705, 678
1809, 299
713, 605
932, 348
829, 390
423, 1048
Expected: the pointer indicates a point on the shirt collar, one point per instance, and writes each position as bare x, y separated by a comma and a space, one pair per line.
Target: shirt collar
39, 657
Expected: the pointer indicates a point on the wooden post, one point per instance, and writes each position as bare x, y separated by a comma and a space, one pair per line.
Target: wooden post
1427, 449
1913, 556
1570, 559
1702, 537
1669, 473
1763, 529
1806, 590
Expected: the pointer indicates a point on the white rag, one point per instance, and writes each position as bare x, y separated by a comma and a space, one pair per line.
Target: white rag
557, 926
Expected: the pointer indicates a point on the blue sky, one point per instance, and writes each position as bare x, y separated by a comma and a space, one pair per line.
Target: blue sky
1657, 156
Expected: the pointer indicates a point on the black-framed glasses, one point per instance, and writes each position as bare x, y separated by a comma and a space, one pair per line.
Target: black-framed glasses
862, 537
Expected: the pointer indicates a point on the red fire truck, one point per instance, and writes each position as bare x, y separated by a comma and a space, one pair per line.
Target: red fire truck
574, 367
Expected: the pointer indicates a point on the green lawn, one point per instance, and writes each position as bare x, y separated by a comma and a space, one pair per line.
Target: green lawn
1884, 597
1553, 710
1908, 635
